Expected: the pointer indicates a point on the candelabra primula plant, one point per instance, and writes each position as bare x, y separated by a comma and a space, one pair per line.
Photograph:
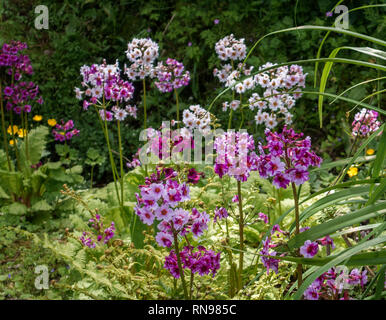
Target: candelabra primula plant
164, 198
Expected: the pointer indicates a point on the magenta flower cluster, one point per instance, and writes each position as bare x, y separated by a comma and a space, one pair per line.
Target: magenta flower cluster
103, 82
202, 261
288, 159
235, 155
171, 76
65, 131
327, 285
159, 199
220, 213
365, 122
165, 142
268, 262
15, 62
20, 96
102, 235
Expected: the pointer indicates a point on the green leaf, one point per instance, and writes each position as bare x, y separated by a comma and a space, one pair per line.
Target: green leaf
3, 195
381, 155
41, 205
16, 208
331, 200
361, 259
340, 258
37, 139
338, 223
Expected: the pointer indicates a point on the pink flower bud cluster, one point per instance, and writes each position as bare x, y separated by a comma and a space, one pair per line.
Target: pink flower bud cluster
235, 155
202, 261
65, 131
171, 76
288, 158
365, 122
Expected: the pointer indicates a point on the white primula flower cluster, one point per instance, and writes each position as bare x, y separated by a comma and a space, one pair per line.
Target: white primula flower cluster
231, 48
197, 118
142, 54
276, 100
229, 77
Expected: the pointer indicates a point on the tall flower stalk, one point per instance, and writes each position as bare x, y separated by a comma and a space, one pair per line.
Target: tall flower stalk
236, 158
105, 90
288, 159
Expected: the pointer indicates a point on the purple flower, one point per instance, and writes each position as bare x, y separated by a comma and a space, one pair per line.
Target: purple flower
311, 293
281, 180
327, 240
275, 166
164, 239
189, 44
263, 217
8, 91
299, 175
216, 21
220, 213
235, 199
328, 14
309, 249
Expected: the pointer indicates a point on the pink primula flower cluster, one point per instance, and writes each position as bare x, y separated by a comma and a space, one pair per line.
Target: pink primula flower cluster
202, 261
65, 131
235, 155
365, 122
171, 75
288, 159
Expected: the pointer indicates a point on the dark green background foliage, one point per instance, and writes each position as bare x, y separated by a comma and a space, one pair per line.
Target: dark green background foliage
85, 32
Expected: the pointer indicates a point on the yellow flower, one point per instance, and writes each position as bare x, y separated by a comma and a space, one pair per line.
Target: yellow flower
52, 122
37, 118
370, 152
353, 171
15, 129
11, 142
22, 133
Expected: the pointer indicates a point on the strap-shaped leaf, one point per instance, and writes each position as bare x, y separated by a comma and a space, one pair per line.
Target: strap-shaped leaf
361, 259
331, 200
336, 261
338, 223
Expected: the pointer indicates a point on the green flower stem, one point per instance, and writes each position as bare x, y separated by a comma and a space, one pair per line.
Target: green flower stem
296, 201
191, 284
230, 119
113, 168
144, 112
181, 270
26, 136
144, 104
4, 132
178, 109
92, 172
14, 141
241, 235
242, 113
120, 159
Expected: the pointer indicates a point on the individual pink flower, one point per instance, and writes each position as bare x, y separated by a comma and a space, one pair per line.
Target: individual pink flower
309, 249
164, 239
